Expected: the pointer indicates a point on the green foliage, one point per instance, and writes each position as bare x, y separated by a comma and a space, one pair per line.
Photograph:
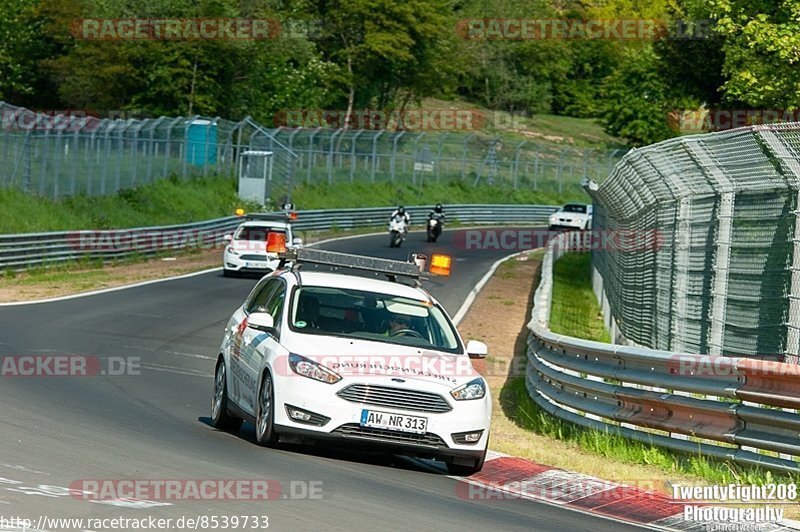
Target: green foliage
575, 311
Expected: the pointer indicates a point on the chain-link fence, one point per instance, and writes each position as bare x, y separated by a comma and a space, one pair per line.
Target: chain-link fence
417, 157
68, 153
717, 265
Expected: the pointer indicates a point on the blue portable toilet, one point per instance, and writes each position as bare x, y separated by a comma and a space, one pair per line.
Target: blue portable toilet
201, 145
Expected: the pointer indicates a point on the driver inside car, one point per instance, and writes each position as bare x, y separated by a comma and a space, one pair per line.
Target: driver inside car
397, 324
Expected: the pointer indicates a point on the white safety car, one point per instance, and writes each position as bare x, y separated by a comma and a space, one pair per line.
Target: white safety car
572, 216
255, 244
361, 361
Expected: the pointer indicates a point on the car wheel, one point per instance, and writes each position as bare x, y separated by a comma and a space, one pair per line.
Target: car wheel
227, 273
459, 470
220, 418
265, 413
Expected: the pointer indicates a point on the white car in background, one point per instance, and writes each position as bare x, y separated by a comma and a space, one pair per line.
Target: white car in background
571, 216
357, 361
254, 246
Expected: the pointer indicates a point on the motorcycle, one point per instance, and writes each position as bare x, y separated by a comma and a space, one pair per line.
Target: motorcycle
397, 232
434, 229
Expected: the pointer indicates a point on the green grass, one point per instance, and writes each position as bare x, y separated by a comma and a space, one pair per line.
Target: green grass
574, 310
172, 201
521, 409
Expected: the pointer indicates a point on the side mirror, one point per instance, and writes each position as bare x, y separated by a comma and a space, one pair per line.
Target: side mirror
476, 349
297, 242
261, 321
228, 237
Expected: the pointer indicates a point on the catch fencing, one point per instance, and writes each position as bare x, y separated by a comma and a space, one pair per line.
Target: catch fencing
724, 278
65, 153
731, 408
18, 252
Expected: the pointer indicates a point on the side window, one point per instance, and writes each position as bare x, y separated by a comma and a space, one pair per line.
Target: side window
258, 303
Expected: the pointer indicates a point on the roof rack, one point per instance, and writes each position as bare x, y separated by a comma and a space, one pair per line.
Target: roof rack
388, 267
271, 216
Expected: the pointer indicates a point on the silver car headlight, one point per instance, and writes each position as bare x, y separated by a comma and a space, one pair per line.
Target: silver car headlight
308, 368
474, 389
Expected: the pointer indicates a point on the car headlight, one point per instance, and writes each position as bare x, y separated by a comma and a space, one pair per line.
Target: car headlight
231, 251
312, 370
474, 389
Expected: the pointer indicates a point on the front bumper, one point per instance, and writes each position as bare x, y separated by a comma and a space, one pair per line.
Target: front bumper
344, 425
249, 263
566, 223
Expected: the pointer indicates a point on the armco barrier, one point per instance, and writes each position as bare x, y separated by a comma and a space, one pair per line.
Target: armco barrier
35, 249
733, 408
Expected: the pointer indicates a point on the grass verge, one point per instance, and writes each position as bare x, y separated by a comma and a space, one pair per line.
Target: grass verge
575, 311
173, 201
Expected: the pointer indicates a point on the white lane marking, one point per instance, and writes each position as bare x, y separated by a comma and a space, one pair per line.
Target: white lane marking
43, 490
107, 290
9, 481
179, 371
23, 468
136, 504
478, 287
190, 355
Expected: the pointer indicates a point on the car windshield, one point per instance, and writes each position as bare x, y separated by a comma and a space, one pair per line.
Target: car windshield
371, 316
257, 233
575, 208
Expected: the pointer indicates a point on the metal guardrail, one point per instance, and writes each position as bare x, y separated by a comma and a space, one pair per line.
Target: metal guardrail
732, 408
42, 249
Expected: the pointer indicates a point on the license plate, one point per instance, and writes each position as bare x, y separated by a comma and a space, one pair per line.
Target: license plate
255, 264
400, 422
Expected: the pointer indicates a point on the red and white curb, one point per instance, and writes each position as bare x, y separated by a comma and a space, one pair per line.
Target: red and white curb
506, 477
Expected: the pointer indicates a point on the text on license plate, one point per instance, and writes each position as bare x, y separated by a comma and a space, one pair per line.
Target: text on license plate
401, 422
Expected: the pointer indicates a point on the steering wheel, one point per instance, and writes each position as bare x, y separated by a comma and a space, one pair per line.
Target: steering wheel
407, 332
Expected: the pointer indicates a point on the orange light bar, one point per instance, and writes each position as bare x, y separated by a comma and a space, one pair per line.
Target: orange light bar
440, 264
239, 212
293, 216
276, 243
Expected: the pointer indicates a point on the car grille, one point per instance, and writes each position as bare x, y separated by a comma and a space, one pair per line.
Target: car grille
253, 257
356, 431
399, 398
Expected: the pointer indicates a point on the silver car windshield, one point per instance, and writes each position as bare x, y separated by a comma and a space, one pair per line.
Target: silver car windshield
372, 316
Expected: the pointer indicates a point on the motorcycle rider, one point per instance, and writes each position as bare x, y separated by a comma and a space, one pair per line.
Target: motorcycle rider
436, 214
401, 212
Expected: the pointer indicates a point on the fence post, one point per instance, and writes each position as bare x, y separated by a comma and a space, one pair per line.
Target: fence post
353, 153
312, 156
464, 157
720, 182
393, 161
375, 154
330, 155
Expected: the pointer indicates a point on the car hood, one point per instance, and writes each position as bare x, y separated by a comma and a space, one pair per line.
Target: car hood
378, 362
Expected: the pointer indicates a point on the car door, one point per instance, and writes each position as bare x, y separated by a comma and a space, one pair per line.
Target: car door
257, 345
242, 378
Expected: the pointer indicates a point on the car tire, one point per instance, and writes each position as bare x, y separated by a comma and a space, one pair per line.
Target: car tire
220, 418
228, 273
265, 412
459, 470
